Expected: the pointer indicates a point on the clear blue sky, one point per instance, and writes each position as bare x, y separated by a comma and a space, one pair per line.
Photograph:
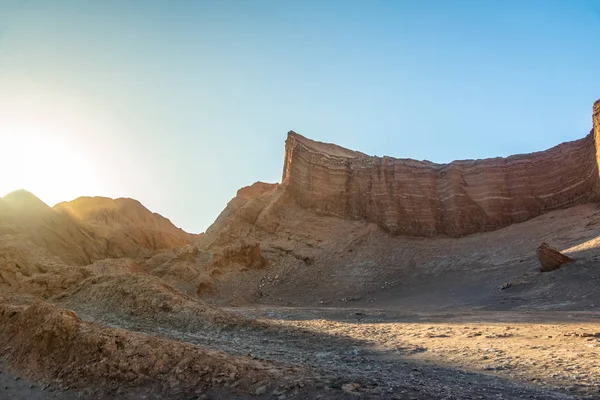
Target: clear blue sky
180, 103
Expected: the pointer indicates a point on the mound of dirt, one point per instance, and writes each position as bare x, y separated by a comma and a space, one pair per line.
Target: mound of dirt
107, 297
27, 268
54, 345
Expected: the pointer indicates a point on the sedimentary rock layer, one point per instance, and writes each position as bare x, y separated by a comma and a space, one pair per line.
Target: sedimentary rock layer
421, 198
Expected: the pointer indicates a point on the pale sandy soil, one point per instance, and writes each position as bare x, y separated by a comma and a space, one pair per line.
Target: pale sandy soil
554, 350
14, 387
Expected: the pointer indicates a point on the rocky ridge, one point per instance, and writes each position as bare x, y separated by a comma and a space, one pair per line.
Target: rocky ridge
45, 250
125, 225
421, 198
327, 228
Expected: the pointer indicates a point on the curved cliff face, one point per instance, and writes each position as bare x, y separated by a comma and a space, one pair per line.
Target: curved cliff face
420, 198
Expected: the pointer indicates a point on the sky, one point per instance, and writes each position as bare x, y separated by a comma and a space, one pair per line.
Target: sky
179, 104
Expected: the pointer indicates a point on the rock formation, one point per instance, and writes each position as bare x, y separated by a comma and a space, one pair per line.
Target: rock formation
421, 198
43, 227
54, 344
551, 259
253, 204
41, 247
125, 225
596, 126
320, 239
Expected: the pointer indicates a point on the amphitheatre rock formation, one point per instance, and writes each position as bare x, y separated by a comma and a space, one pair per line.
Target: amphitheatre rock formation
421, 198
320, 276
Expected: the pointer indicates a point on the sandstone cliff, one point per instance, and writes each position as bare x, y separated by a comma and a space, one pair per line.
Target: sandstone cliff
330, 220
421, 198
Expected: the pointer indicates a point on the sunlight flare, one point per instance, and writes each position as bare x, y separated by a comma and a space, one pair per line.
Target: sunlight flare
38, 158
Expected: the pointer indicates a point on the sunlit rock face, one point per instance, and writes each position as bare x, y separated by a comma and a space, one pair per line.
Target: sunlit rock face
421, 198
125, 225
596, 128
84, 230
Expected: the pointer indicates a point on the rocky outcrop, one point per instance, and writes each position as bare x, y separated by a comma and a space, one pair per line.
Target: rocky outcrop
254, 205
245, 256
596, 127
421, 198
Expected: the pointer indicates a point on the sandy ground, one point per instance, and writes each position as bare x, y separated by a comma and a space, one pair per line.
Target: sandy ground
14, 387
556, 350
387, 354
380, 318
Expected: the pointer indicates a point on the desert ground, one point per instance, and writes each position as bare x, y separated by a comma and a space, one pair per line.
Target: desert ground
376, 353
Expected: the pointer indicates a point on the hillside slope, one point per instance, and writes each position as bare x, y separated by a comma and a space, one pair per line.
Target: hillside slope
293, 243
125, 225
42, 249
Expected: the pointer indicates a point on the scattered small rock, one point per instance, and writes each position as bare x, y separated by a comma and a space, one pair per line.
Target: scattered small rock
260, 390
351, 387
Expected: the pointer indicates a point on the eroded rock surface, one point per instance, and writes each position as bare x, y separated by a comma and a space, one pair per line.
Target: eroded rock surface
54, 344
421, 198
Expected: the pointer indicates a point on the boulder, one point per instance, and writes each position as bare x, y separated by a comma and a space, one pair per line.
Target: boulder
551, 259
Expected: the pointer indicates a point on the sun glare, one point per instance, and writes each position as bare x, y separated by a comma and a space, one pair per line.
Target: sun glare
40, 160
